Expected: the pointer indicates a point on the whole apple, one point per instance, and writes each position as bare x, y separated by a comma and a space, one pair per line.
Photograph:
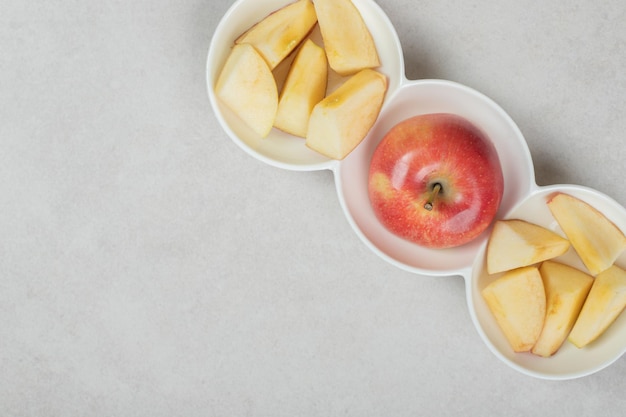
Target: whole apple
436, 180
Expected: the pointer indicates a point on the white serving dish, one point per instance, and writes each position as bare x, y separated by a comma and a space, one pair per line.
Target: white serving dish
523, 198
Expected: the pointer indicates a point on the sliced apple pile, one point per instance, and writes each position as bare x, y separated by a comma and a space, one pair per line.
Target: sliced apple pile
577, 307
348, 49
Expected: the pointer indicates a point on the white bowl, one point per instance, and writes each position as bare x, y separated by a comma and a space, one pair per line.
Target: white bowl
569, 362
421, 97
279, 148
522, 197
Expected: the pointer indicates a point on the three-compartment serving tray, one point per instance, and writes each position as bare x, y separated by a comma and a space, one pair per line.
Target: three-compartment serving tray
523, 198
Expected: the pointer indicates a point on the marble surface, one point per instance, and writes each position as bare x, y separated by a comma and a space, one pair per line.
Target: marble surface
149, 267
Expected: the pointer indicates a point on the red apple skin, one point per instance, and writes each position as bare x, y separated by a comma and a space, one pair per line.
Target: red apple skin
424, 150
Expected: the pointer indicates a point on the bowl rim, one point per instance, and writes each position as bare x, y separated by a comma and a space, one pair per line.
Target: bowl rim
529, 181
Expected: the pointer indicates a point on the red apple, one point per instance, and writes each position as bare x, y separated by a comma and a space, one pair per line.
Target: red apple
436, 180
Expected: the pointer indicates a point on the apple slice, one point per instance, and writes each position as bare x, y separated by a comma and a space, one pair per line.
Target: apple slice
595, 238
348, 42
515, 243
304, 87
278, 34
341, 121
517, 300
605, 302
246, 85
566, 289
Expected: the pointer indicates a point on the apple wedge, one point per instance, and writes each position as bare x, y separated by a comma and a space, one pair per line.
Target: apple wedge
597, 241
278, 34
304, 87
515, 243
566, 289
347, 40
605, 302
517, 301
341, 121
246, 85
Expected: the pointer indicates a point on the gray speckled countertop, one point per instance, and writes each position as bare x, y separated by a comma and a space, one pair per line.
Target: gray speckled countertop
149, 267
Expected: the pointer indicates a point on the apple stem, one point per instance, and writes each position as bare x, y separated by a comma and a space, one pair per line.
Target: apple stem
433, 195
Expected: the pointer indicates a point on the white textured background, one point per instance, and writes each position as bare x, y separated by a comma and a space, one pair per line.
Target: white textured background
149, 267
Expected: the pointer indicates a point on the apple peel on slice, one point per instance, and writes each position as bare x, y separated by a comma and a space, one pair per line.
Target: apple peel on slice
341, 121
246, 85
280, 33
597, 241
515, 243
566, 290
517, 301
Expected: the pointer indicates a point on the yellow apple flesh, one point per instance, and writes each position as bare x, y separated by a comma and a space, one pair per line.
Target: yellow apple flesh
605, 302
347, 40
304, 87
278, 34
246, 85
341, 121
597, 241
566, 289
517, 301
515, 243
